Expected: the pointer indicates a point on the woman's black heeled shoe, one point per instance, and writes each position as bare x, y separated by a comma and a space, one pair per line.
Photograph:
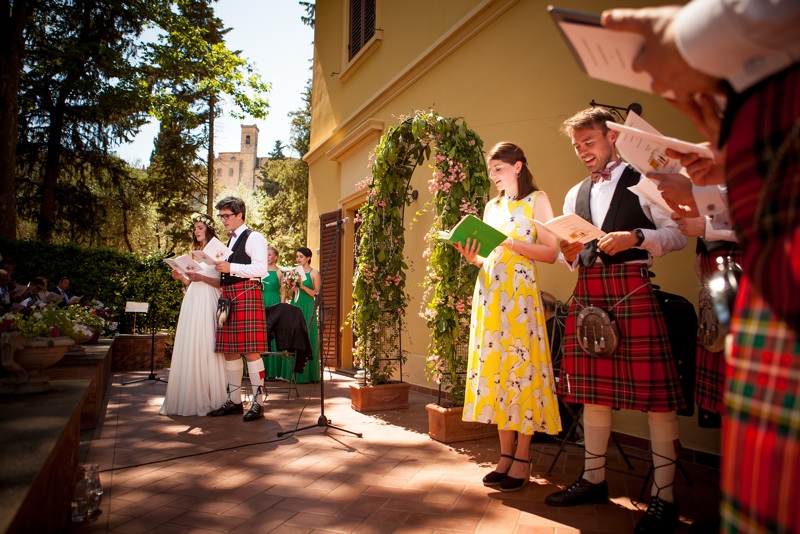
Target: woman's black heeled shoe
513, 484
494, 478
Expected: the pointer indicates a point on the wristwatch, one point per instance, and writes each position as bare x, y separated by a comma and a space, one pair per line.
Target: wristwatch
639, 237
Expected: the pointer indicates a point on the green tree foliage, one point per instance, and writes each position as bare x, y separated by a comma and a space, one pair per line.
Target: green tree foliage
79, 94
300, 129
193, 70
311, 13
285, 212
277, 151
111, 277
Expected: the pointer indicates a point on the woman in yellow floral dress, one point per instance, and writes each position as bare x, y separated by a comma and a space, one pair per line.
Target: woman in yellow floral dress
509, 373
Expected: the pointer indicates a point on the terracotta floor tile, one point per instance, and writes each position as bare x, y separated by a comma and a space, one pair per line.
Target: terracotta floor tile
210, 474
207, 521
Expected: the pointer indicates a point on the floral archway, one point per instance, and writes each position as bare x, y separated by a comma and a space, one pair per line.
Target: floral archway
459, 186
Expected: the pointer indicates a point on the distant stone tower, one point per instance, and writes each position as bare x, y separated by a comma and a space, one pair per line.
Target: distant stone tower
234, 168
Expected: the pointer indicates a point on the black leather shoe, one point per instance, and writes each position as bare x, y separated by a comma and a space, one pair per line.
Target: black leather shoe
661, 517
229, 408
256, 411
581, 492
495, 477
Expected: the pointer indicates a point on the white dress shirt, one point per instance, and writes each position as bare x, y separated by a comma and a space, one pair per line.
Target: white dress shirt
665, 238
742, 41
256, 248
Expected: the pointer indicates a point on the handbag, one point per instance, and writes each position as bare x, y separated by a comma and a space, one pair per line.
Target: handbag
223, 310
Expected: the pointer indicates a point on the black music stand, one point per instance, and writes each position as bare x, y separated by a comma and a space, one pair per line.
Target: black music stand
322, 421
142, 307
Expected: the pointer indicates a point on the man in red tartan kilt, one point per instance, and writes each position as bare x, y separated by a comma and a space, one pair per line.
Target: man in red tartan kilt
717, 245
613, 275
754, 47
245, 330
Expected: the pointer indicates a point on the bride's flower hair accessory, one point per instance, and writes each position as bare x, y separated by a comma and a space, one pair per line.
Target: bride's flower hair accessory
203, 218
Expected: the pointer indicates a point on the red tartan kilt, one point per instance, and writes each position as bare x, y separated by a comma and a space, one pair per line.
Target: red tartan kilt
710, 379
641, 374
245, 331
761, 431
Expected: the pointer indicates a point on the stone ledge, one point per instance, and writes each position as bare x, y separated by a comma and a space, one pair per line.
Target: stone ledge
40, 438
95, 365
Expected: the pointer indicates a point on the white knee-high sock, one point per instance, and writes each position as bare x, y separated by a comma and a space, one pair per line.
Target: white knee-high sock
663, 434
256, 371
233, 375
596, 433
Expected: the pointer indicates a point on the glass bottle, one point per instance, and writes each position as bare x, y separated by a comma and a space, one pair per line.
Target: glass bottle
80, 500
91, 474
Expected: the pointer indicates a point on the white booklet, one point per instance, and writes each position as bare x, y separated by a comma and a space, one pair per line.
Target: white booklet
184, 264
214, 252
571, 227
601, 53
647, 188
645, 148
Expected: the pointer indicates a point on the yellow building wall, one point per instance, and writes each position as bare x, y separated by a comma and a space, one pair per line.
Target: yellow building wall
511, 79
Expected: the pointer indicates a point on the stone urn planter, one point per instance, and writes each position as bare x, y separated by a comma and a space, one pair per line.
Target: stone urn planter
445, 425
391, 396
25, 358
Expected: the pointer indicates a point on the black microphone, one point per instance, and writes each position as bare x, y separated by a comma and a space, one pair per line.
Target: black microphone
169, 255
636, 108
340, 221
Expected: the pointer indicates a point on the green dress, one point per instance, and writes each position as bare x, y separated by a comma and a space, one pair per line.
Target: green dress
306, 303
274, 366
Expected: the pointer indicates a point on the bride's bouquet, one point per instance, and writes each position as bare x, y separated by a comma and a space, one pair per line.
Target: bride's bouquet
292, 280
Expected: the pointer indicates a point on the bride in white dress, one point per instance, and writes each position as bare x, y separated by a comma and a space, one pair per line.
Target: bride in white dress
197, 382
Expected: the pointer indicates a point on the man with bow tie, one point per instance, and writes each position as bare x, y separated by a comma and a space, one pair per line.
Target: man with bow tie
613, 274
245, 330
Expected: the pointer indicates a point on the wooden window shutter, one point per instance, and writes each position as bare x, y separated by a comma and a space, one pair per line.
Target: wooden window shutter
330, 308
362, 25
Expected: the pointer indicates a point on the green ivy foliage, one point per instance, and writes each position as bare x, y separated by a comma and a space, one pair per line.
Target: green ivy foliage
459, 186
112, 277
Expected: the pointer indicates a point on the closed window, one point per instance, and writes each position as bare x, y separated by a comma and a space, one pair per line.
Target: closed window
230, 172
362, 25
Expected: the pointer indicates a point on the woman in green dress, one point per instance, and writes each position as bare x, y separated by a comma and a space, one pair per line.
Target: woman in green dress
306, 294
273, 292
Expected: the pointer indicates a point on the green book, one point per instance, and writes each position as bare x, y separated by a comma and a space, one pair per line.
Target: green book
474, 228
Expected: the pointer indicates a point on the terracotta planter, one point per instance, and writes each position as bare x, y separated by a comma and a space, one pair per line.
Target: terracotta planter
24, 358
390, 396
445, 425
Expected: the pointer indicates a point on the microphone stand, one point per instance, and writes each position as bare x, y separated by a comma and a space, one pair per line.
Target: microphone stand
322, 421
152, 376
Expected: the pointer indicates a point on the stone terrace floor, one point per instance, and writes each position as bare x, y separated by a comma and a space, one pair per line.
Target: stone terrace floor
219, 474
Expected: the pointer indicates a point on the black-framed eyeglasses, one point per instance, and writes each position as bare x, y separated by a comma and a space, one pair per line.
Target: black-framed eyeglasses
225, 216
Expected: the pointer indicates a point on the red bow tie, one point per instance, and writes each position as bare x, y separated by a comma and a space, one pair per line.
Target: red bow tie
605, 174
232, 234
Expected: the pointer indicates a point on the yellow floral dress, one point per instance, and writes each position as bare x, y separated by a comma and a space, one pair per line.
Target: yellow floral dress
510, 373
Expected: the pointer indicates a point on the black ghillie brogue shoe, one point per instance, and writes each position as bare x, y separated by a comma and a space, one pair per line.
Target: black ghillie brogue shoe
581, 492
661, 517
256, 411
229, 408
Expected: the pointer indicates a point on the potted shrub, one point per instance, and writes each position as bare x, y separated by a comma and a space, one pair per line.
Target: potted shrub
34, 340
459, 186
459, 179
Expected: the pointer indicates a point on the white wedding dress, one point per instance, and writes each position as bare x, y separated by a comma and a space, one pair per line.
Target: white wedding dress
197, 382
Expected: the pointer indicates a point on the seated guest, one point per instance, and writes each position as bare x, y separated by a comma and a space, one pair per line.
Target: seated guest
5, 295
